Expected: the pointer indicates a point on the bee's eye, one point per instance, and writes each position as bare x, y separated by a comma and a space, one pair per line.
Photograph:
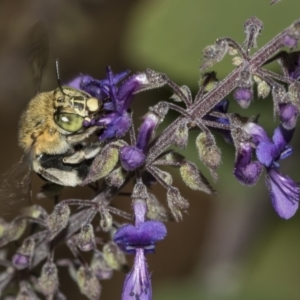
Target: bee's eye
68, 122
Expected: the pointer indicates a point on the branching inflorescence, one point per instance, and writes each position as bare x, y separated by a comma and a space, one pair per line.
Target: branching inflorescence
140, 162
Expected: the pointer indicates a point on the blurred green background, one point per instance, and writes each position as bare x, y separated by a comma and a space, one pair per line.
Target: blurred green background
232, 246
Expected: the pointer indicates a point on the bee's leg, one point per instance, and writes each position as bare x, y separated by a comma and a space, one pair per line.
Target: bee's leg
86, 153
79, 137
60, 177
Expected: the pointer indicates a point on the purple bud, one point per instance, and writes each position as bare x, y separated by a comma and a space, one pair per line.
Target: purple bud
243, 96
146, 130
289, 41
22, 258
288, 113
131, 158
246, 171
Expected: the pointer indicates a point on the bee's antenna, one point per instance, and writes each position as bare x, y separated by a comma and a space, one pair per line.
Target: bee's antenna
57, 75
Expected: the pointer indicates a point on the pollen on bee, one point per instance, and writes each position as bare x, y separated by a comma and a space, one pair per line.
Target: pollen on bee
92, 104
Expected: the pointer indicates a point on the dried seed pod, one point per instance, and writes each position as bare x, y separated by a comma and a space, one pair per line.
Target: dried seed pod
35, 211
185, 90
106, 219
156, 211
88, 283
214, 53
100, 267
163, 176
26, 292
176, 203
193, 178
116, 178
16, 229
181, 135
86, 238
48, 281
263, 89
139, 191
208, 152
58, 220
114, 257
23, 257
253, 28
104, 162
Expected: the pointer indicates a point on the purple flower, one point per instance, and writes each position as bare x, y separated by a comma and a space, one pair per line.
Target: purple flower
137, 283
243, 96
139, 239
284, 192
145, 236
97, 88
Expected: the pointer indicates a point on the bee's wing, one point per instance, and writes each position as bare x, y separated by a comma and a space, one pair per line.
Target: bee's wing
14, 188
37, 51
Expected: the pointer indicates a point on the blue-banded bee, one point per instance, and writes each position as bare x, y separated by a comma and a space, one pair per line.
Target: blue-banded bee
51, 130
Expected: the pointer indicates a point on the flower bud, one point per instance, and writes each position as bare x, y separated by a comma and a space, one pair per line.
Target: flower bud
176, 203
131, 158
100, 266
58, 220
114, 257
86, 238
23, 257
88, 283
48, 281
243, 96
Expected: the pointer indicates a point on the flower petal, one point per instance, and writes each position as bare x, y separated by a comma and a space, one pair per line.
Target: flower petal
284, 193
129, 237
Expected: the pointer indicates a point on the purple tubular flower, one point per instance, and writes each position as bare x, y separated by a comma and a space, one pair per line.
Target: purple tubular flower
284, 193
283, 190
129, 237
243, 96
96, 88
137, 285
138, 240
246, 171
118, 121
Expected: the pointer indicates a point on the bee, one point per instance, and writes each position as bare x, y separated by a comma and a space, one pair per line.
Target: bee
51, 131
